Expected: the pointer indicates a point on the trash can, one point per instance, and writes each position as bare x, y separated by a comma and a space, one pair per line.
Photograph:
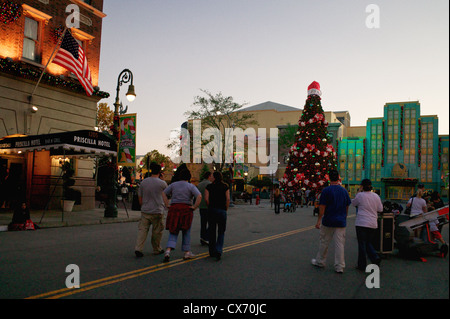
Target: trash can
384, 243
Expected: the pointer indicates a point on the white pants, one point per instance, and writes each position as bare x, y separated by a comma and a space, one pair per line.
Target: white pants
326, 235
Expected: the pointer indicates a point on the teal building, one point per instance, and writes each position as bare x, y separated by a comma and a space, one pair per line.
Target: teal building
400, 150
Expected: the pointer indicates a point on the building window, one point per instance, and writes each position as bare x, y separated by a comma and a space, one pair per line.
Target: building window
399, 192
426, 166
375, 153
410, 136
31, 40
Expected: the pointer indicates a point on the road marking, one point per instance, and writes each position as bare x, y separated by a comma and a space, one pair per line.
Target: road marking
56, 294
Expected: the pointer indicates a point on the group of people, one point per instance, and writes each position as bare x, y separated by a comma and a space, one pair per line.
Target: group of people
182, 198
332, 221
422, 203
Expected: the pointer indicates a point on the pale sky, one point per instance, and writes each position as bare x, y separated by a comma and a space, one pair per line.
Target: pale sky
271, 50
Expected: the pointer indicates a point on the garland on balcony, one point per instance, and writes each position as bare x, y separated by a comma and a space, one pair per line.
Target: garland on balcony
56, 33
9, 12
439, 152
23, 70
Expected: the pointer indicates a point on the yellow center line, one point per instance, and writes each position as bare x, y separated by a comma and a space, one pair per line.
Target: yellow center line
56, 294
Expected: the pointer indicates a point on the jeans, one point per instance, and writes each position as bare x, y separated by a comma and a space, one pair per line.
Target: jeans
186, 241
366, 237
217, 222
277, 206
204, 224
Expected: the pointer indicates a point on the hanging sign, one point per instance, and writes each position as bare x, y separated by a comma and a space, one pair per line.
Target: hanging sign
127, 140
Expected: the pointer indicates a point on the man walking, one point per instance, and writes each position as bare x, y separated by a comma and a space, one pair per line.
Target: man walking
152, 211
332, 220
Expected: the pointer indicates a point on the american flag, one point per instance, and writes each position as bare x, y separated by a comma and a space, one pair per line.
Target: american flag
71, 57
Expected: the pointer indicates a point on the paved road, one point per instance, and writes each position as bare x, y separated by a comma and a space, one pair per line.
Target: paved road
267, 256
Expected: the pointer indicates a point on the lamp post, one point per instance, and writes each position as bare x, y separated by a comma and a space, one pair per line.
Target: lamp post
124, 77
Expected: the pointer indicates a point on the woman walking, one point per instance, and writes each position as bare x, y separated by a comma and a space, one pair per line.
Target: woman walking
217, 196
181, 213
369, 204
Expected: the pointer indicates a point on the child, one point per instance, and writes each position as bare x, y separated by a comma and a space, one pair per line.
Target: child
437, 236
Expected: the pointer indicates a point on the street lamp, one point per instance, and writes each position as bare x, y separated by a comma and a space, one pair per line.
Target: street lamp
126, 76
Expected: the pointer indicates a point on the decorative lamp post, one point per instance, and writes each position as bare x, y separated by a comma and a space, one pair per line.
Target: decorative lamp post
124, 77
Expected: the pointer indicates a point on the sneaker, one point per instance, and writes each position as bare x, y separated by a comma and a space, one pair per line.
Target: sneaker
204, 242
314, 262
138, 254
189, 255
166, 256
158, 252
339, 271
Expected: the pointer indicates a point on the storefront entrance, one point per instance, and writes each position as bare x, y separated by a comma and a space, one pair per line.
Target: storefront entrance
33, 164
400, 189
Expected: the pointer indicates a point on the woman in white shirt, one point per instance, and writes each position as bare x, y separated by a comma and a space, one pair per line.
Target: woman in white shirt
369, 204
418, 206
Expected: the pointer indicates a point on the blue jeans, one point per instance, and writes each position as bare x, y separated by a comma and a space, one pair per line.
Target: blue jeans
186, 241
204, 224
366, 237
217, 223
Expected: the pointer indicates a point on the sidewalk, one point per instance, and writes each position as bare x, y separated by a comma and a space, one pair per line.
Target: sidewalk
55, 218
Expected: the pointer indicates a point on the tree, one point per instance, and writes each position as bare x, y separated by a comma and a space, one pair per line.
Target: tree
312, 156
105, 118
220, 112
158, 158
287, 136
260, 183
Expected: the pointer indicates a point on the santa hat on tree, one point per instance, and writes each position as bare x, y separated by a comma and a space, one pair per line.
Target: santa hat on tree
314, 89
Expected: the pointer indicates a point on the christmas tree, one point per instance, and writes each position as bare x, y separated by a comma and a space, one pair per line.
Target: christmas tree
312, 156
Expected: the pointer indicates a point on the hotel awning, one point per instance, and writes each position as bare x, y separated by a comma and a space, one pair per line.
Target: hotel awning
74, 143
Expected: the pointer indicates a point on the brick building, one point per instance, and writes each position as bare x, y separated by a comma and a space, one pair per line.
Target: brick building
29, 32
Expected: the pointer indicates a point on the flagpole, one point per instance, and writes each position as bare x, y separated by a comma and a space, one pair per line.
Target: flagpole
48, 62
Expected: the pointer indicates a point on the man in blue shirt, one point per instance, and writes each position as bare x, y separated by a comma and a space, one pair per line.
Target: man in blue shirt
332, 220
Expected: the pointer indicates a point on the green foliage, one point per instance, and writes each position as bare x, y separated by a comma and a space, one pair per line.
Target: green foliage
260, 183
68, 181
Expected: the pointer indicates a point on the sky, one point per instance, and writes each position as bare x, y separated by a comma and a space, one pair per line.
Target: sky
271, 50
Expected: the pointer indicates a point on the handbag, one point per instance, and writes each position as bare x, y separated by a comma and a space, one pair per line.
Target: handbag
408, 209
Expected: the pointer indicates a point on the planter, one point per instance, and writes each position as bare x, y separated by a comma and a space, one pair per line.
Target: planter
67, 205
